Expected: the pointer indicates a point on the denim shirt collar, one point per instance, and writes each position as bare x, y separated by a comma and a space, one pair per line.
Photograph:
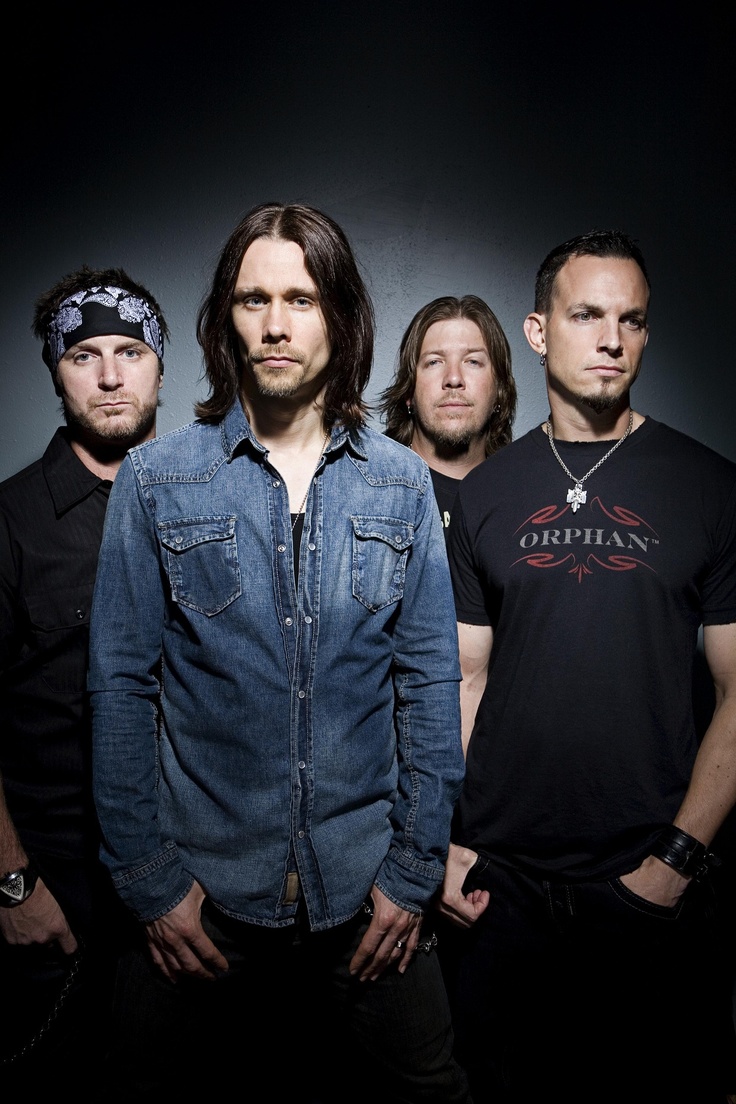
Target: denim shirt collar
235, 428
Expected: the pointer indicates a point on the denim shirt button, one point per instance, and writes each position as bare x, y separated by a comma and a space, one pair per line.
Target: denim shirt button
311, 547
288, 621
276, 483
307, 620
301, 835
280, 547
302, 764
302, 694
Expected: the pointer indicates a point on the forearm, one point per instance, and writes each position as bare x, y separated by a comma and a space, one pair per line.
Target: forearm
475, 644
39, 919
711, 794
12, 853
471, 692
431, 771
145, 868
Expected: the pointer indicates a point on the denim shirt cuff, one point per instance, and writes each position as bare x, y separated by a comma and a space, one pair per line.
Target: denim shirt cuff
408, 882
155, 886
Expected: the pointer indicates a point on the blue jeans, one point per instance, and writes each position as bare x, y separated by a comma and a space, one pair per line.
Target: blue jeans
287, 1013
589, 992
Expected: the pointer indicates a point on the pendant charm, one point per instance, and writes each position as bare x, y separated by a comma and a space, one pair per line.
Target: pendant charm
577, 496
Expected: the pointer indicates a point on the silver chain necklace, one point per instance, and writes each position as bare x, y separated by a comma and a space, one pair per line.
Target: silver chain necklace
303, 503
576, 496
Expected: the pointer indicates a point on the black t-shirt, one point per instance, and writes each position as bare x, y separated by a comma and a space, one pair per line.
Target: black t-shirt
51, 519
445, 490
584, 740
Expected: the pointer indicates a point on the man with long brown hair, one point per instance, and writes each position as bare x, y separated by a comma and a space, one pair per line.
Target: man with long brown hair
453, 397
276, 715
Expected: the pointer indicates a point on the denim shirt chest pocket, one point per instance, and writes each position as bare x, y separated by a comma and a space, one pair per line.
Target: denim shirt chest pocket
380, 552
201, 560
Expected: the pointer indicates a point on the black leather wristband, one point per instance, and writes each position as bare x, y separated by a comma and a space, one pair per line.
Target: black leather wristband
684, 853
17, 887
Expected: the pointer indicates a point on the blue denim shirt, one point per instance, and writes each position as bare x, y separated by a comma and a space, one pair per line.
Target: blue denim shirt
265, 739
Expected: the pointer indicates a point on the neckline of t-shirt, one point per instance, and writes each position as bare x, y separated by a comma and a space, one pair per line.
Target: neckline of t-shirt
596, 447
448, 480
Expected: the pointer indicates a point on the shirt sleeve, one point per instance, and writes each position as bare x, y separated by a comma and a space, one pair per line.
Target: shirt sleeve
719, 587
427, 718
470, 602
127, 618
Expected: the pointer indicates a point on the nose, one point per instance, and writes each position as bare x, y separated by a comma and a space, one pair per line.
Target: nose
453, 374
609, 338
111, 375
276, 322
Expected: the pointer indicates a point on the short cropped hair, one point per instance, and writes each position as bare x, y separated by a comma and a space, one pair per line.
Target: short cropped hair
596, 243
343, 298
393, 400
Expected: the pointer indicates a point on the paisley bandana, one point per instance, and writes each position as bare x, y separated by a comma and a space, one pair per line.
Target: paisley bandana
97, 311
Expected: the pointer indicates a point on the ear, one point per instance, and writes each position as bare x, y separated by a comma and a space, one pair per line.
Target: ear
534, 330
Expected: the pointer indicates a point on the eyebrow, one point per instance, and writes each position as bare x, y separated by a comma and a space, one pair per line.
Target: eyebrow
290, 293
87, 344
442, 352
593, 308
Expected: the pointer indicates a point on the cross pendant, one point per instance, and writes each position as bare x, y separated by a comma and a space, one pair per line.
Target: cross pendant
577, 496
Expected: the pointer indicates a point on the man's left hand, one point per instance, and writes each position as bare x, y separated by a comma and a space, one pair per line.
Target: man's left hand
391, 939
657, 882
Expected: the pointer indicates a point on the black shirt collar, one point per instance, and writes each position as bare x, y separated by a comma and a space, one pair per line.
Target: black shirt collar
67, 478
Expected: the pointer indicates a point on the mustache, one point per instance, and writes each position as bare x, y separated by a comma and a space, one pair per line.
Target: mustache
256, 356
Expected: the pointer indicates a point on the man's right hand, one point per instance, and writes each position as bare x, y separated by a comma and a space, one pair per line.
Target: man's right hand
178, 943
38, 920
461, 909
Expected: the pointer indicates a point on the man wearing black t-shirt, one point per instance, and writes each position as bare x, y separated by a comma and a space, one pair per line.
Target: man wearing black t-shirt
103, 340
586, 557
453, 397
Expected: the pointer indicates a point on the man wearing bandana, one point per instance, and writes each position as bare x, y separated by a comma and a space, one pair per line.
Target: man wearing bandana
103, 340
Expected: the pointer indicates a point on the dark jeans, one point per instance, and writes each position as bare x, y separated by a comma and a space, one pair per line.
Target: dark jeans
589, 993
287, 1014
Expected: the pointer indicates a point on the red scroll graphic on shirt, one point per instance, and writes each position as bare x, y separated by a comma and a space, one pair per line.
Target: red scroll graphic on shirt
615, 540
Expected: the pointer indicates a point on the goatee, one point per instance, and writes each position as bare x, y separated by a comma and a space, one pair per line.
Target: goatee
599, 404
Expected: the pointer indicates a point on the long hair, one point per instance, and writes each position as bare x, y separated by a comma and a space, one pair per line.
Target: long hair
596, 243
344, 302
393, 400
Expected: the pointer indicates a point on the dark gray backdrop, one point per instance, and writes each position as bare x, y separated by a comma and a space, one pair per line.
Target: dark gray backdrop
456, 145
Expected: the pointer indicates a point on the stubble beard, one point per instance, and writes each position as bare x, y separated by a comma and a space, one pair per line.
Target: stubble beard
121, 429
453, 437
278, 383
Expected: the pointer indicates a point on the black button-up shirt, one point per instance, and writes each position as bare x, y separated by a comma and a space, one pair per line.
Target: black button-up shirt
51, 519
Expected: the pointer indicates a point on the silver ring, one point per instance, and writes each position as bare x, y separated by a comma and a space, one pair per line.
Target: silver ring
399, 944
